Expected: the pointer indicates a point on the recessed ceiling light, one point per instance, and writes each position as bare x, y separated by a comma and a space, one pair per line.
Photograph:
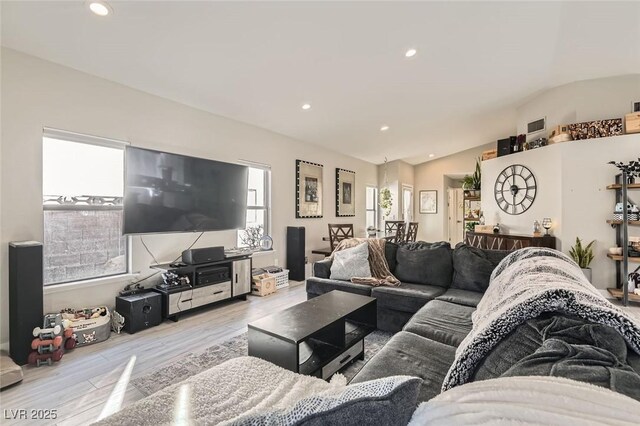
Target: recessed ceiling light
384, 128
100, 8
431, 155
306, 106
410, 53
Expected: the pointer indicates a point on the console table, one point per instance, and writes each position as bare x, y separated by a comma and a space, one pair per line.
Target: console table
507, 241
318, 337
180, 299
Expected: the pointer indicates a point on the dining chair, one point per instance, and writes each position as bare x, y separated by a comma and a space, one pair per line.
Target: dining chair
400, 233
395, 227
339, 232
412, 232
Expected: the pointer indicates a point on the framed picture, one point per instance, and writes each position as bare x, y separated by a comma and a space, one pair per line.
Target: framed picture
345, 193
308, 189
429, 202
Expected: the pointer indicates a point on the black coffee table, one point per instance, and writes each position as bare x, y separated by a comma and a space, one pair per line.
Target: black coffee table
317, 337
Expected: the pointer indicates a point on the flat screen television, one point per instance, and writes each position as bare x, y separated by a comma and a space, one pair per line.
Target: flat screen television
174, 193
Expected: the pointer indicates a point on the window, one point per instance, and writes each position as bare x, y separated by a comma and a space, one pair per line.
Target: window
83, 180
372, 207
258, 205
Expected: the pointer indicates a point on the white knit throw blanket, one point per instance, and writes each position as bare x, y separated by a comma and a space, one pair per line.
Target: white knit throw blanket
528, 401
525, 284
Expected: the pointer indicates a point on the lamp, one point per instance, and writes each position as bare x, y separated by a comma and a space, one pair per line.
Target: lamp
546, 224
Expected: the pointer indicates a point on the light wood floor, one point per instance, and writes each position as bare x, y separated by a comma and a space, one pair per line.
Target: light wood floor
86, 381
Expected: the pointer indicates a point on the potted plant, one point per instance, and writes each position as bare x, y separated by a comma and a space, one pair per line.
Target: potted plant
583, 255
386, 201
472, 184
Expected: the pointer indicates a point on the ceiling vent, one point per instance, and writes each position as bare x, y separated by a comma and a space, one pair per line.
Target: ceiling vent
536, 126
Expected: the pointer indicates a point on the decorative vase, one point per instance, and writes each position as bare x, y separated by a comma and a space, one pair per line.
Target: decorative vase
587, 273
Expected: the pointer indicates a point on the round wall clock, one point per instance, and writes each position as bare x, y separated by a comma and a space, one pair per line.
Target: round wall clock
515, 189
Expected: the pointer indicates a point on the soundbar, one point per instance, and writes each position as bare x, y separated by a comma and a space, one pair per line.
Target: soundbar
203, 255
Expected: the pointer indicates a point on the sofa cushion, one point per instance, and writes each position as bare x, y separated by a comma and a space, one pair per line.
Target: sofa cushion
407, 297
425, 263
350, 263
443, 322
472, 267
322, 268
388, 401
318, 286
461, 297
408, 353
391, 320
390, 253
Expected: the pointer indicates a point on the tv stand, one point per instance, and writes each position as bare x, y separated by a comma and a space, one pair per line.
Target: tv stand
177, 300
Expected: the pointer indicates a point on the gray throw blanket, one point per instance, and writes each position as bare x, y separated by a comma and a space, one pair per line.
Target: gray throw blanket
560, 345
525, 284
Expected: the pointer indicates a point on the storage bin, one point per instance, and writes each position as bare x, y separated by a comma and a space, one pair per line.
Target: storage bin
282, 278
91, 330
263, 285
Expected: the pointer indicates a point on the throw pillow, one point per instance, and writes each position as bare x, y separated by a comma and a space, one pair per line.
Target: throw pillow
473, 267
387, 401
390, 253
425, 263
351, 262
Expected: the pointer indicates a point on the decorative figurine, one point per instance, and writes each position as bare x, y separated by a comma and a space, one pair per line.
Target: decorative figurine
537, 230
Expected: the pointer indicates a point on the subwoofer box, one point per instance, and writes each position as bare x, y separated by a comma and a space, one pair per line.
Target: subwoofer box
140, 311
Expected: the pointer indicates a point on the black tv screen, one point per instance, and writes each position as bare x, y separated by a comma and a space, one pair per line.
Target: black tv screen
174, 193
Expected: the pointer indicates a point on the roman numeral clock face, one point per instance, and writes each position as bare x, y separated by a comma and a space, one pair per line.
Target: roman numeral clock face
515, 189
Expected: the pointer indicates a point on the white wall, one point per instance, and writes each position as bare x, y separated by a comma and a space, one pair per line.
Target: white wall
586, 100
572, 179
433, 175
572, 176
38, 93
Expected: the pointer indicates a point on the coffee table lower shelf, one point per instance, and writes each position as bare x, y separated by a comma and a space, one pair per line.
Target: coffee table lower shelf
312, 357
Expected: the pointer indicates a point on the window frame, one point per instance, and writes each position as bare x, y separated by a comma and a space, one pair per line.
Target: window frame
266, 169
68, 136
375, 204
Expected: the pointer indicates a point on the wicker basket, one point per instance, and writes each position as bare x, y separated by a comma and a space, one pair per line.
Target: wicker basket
282, 278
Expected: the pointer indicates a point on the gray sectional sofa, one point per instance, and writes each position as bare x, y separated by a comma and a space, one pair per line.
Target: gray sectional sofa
430, 311
430, 314
427, 271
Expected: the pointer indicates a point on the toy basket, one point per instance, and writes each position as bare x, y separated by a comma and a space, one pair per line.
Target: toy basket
92, 330
282, 278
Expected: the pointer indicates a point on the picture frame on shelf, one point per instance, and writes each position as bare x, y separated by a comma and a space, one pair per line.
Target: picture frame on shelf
345, 193
429, 201
309, 188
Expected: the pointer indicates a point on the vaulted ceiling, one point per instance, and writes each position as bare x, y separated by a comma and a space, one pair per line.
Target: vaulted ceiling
260, 62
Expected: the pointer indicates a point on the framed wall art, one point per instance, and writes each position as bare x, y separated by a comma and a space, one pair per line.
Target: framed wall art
429, 202
345, 193
308, 189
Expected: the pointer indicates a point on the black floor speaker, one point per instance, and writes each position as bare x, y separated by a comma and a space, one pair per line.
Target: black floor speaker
295, 252
140, 311
25, 297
